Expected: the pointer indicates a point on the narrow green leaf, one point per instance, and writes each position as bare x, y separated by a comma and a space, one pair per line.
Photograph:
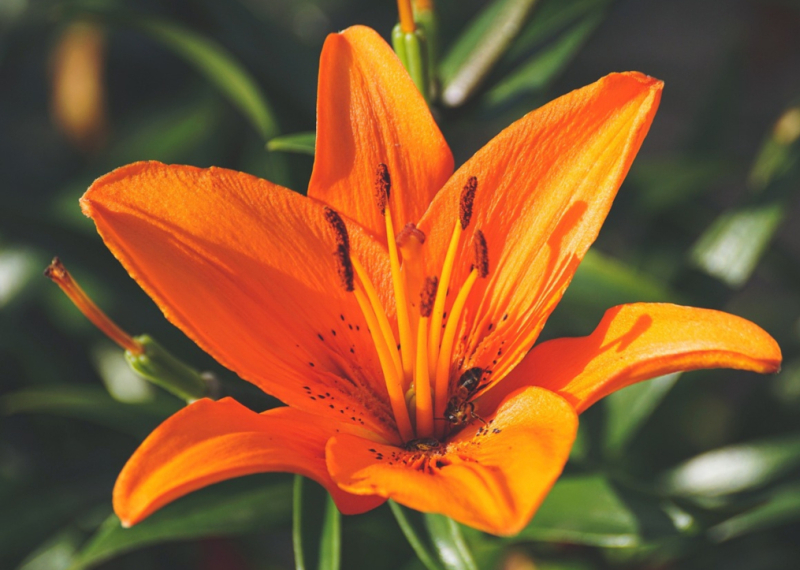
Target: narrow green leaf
487, 38
90, 403
413, 539
330, 546
732, 246
542, 68
552, 17
297, 523
587, 509
449, 543
302, 143
584, 510
218, 66
733, 469
669, 182
628, 409
55, 554
778, 153
235, 507
782, 507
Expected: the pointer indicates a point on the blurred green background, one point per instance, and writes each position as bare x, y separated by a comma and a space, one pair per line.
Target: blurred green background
698, 473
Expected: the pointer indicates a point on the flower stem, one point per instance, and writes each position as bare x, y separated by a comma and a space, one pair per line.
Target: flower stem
411, 535
330, 546
297, 523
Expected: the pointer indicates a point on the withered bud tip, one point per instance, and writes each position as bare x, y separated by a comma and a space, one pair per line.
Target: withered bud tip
56, 271
481, 254
427, 296
337, 224
408, 233
467, 198
383, 187
344, 267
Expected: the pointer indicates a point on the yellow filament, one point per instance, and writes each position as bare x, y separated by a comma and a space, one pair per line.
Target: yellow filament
422, 384
441, 295
380, 314
407, 345
393, 385
448, 341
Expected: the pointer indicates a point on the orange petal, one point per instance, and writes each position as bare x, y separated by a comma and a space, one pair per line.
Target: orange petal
370, 112
246, 269
545, 185
637, 342
209, 441
491, 478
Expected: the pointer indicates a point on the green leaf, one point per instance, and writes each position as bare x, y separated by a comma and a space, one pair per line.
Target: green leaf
232, 508
479, 48
449, 543
542, 68
330, 544
218, 66
420, 549
302, 143
669, 182
297, 523
782, 507
587, 509
92, 404
628, 409
733, 469
552, 16
733, 245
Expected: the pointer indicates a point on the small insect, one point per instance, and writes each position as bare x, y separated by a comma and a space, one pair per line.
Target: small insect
460, 409
422, 444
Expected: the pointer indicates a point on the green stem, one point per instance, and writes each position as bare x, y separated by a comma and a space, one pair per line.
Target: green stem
330, 547
414, 540
297, 523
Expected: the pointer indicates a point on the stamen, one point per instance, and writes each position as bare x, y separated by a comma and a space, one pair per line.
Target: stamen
407, 344
465, 204
380, 313
422, 382
61, 277
406, 16
409, 242
383, 187
442, 383
344, 267
393, 385
337, 225
464, 217
481, 255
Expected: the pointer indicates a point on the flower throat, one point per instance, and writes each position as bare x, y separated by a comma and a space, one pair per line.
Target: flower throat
416, 367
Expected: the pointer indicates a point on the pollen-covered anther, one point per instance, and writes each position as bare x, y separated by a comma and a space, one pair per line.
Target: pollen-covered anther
383, 187
427, 296
465, 204
481, 254
344, 267
339, 229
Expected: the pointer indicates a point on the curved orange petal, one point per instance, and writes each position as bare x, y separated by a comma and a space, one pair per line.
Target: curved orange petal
210, 441
246, 269
545, 185
491, 478
370, 112
637, 342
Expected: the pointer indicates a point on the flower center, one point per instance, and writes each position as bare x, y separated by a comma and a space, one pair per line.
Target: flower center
417, 368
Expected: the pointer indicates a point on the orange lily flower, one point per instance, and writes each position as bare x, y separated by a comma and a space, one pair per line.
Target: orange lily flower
394, 308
